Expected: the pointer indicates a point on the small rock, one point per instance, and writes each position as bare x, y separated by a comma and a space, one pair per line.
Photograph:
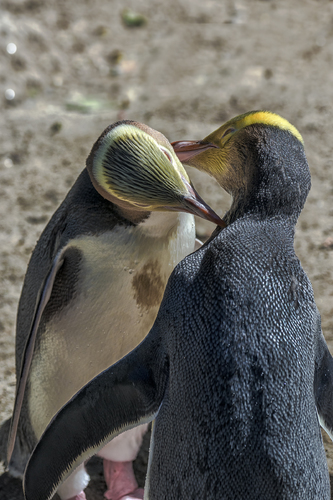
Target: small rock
328, 244
55, 128
10, 94
85, 105
39, 219
132, 19
114, 57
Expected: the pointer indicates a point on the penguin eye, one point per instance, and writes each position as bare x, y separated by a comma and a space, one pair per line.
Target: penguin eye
167, 154
228, 131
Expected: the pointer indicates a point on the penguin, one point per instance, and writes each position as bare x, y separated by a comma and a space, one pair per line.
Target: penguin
93, 287
235, 370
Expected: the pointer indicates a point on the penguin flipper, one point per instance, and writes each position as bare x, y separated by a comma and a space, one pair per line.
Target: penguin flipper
43, 298
127, 394
323, 386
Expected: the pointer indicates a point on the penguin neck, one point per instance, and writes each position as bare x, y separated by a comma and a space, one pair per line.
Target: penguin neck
159, 224
249, 206
133, 216
277, 178
236, 210
154, 224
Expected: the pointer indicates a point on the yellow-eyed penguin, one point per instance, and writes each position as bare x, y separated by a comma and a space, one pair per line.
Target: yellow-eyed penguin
94, 284
235, 370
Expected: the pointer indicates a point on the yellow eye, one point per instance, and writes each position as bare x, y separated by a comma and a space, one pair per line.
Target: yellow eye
228, 131
168, 155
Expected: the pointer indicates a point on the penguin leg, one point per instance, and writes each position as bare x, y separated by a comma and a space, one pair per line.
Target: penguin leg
80, 496
118, 456
121, 482
323, 386
125, 395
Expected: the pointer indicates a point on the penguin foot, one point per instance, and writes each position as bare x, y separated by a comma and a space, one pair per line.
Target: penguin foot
121, 482
79, 496
135, 495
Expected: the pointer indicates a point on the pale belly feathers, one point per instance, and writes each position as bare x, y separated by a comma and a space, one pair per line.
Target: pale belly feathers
122, 280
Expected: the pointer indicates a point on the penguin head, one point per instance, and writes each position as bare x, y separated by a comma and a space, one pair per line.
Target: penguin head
258, 158
135, 167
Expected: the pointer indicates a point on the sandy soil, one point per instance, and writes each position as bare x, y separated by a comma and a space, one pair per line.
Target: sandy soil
187, 69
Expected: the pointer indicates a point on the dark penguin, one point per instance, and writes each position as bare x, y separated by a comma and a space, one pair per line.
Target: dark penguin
235, 369
94, 285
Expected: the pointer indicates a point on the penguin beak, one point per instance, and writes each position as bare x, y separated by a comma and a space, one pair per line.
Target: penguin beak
187, 149
194, 204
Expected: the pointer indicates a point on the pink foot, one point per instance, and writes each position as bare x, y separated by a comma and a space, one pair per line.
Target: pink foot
120, 480
79, 496
135, 495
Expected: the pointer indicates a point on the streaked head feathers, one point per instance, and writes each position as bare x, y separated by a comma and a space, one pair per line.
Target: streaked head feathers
135, 167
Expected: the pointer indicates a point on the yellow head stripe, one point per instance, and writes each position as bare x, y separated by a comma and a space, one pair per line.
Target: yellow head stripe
268, 118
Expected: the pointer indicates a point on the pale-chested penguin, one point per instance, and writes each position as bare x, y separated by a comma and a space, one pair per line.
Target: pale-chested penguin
94, 284
235, 369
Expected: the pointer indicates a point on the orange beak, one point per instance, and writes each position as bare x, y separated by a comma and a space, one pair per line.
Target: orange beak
194, 204
187, 149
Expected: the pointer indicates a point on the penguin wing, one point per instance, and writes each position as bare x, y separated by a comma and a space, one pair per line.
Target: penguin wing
323, 386
127, 394
42, 300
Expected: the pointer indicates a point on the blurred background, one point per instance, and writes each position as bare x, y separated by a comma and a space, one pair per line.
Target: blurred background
69, 69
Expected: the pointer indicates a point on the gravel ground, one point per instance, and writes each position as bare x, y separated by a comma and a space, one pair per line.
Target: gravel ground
186, 69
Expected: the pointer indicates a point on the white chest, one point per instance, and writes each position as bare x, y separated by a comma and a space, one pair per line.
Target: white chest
122, 281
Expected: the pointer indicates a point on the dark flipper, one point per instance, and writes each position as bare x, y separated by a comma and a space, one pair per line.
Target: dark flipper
323, 386
123, 396
4, 432
44, 296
